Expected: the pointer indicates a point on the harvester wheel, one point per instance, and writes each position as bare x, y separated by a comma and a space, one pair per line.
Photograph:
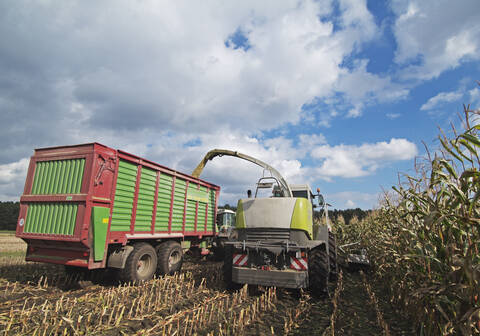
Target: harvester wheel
332, 255
227, 269
170, 257
318, 271
141, 264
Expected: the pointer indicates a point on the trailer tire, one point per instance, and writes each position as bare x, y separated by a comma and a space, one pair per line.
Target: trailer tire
227, 269
170, 258
318, 271
332, 255
140, 265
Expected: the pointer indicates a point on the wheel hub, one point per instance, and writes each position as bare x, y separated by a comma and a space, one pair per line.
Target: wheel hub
143, 264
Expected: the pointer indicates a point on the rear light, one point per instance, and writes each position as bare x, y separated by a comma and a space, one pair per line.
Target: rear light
300, 254
85, 254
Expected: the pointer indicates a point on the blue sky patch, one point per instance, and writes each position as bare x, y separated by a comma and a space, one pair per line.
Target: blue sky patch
238, 40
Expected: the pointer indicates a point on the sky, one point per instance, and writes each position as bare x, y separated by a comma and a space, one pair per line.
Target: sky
342, 95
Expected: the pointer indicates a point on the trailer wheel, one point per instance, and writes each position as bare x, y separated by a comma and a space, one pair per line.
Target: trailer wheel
318, 271
227, 269
141, 263
332, 255
170, 257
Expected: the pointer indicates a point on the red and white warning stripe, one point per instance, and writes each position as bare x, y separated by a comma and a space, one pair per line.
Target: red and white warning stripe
240, 259
299, 264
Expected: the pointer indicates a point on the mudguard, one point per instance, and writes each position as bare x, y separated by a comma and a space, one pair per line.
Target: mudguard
119, 257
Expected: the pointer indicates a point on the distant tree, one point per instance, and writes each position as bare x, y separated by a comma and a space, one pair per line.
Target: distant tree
349, 214
9, 215
229, 207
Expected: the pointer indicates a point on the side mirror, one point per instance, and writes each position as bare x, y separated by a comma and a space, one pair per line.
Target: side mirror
321, 201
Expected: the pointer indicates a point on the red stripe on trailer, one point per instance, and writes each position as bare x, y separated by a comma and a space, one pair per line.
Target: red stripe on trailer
135, 200
299, 264
185, 207
206, 212
240, 259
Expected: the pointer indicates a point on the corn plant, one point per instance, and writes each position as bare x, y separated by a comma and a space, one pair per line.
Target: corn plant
425, 239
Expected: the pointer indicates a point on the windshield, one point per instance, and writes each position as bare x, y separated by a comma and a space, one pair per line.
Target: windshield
226, 219
300, 193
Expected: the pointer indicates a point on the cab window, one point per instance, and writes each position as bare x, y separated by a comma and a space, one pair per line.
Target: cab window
300, 193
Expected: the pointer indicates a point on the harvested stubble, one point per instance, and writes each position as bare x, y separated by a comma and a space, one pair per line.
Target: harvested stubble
168, 305
219, 315
294, 316
374, 302
103, 308
330, 330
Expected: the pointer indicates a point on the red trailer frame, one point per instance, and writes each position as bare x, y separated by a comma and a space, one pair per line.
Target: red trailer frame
97, 192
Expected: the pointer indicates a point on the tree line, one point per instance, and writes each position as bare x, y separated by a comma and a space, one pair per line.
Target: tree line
9, 215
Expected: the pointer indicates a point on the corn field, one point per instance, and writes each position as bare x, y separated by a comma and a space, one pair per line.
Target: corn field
423, 242
425, 238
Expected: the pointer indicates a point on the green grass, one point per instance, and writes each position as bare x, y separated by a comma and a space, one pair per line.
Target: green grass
12, 254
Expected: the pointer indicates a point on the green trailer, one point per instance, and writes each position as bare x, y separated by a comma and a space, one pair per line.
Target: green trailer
93, 207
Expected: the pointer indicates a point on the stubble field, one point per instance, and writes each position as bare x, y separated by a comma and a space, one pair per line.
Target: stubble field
40, 299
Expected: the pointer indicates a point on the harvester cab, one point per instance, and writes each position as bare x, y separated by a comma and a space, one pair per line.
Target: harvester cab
225, 222
225, 226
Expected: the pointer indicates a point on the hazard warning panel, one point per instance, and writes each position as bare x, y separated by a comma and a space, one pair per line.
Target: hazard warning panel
299, 264
240, 259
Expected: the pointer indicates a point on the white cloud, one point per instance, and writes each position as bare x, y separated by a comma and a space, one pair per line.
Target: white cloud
350, 203
436, 35
156, 78
311, 140
474, 98
393, 115
354, 161
353, 199
122, 68
442, 97
365, 88
12, 179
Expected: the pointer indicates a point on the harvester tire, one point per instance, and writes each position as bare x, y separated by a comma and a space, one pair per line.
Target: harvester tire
140, 265
170, 258
227, 269
332, 255
318, 271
